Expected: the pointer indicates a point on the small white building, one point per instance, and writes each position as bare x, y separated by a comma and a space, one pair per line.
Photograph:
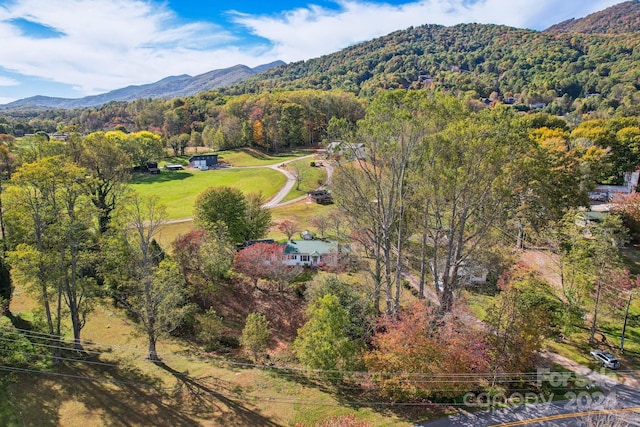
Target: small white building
347, 149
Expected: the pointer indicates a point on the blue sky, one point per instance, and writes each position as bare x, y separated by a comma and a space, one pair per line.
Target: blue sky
74, 48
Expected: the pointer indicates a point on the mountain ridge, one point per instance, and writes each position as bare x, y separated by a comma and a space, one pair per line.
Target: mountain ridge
168, 87
617, 19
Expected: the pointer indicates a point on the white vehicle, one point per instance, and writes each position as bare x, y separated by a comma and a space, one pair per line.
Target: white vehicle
607, 360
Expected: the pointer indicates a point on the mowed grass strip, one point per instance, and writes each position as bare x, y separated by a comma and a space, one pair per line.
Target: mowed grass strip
178, 190
252, 157
312, 177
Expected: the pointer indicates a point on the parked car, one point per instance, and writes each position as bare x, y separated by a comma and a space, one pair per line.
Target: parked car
607, 360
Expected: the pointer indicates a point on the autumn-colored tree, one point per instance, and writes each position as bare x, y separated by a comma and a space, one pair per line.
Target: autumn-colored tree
339, 421
415, 346
203, 258
258, 133
259, 260
524, 314
628, 207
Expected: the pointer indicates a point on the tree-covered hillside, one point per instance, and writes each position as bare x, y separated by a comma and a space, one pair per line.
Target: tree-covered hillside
487, 61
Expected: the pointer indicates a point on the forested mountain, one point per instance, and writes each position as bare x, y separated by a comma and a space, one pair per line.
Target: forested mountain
553, 71
169, 87
485, 61
621, 18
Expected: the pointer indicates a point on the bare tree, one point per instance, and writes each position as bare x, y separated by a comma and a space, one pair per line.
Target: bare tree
298, 174
155, 291
289, 228
321, 222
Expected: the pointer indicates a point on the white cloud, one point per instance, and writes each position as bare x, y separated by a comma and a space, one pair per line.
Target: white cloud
108, 44
6, 81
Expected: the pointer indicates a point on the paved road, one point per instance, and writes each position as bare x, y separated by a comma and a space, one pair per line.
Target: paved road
287, 187
616, 412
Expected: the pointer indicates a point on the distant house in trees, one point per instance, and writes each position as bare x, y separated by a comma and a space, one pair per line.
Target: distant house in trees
312, 252
59, 136
346, 149
204, 161
588, 218
604, 193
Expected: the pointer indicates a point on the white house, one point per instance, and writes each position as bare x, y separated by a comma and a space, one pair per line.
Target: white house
347, 149
604, 193
311, 252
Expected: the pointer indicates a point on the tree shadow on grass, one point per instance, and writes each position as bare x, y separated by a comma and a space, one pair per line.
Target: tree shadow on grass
200, 393
354, 393
164, 176
18, 322
117, 395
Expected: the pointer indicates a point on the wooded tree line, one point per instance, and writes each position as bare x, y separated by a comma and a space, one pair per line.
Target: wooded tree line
440, 192
269, 121
450, 183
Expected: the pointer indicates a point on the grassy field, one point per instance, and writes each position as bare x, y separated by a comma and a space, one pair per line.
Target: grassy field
117, 386
252, 157
312, 178
178, 190
302, 212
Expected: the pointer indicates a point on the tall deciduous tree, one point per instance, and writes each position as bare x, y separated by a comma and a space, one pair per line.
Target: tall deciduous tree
373, 190
465, 181
51, 218
203, 259
109, 167
151, 285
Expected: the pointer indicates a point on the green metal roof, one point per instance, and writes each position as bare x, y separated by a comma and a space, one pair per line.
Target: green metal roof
310, 247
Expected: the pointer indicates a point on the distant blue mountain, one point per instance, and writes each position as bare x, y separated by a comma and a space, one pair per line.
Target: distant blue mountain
169, 87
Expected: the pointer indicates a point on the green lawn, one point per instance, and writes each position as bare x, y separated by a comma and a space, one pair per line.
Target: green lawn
178, 190
312, 177
302, 213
